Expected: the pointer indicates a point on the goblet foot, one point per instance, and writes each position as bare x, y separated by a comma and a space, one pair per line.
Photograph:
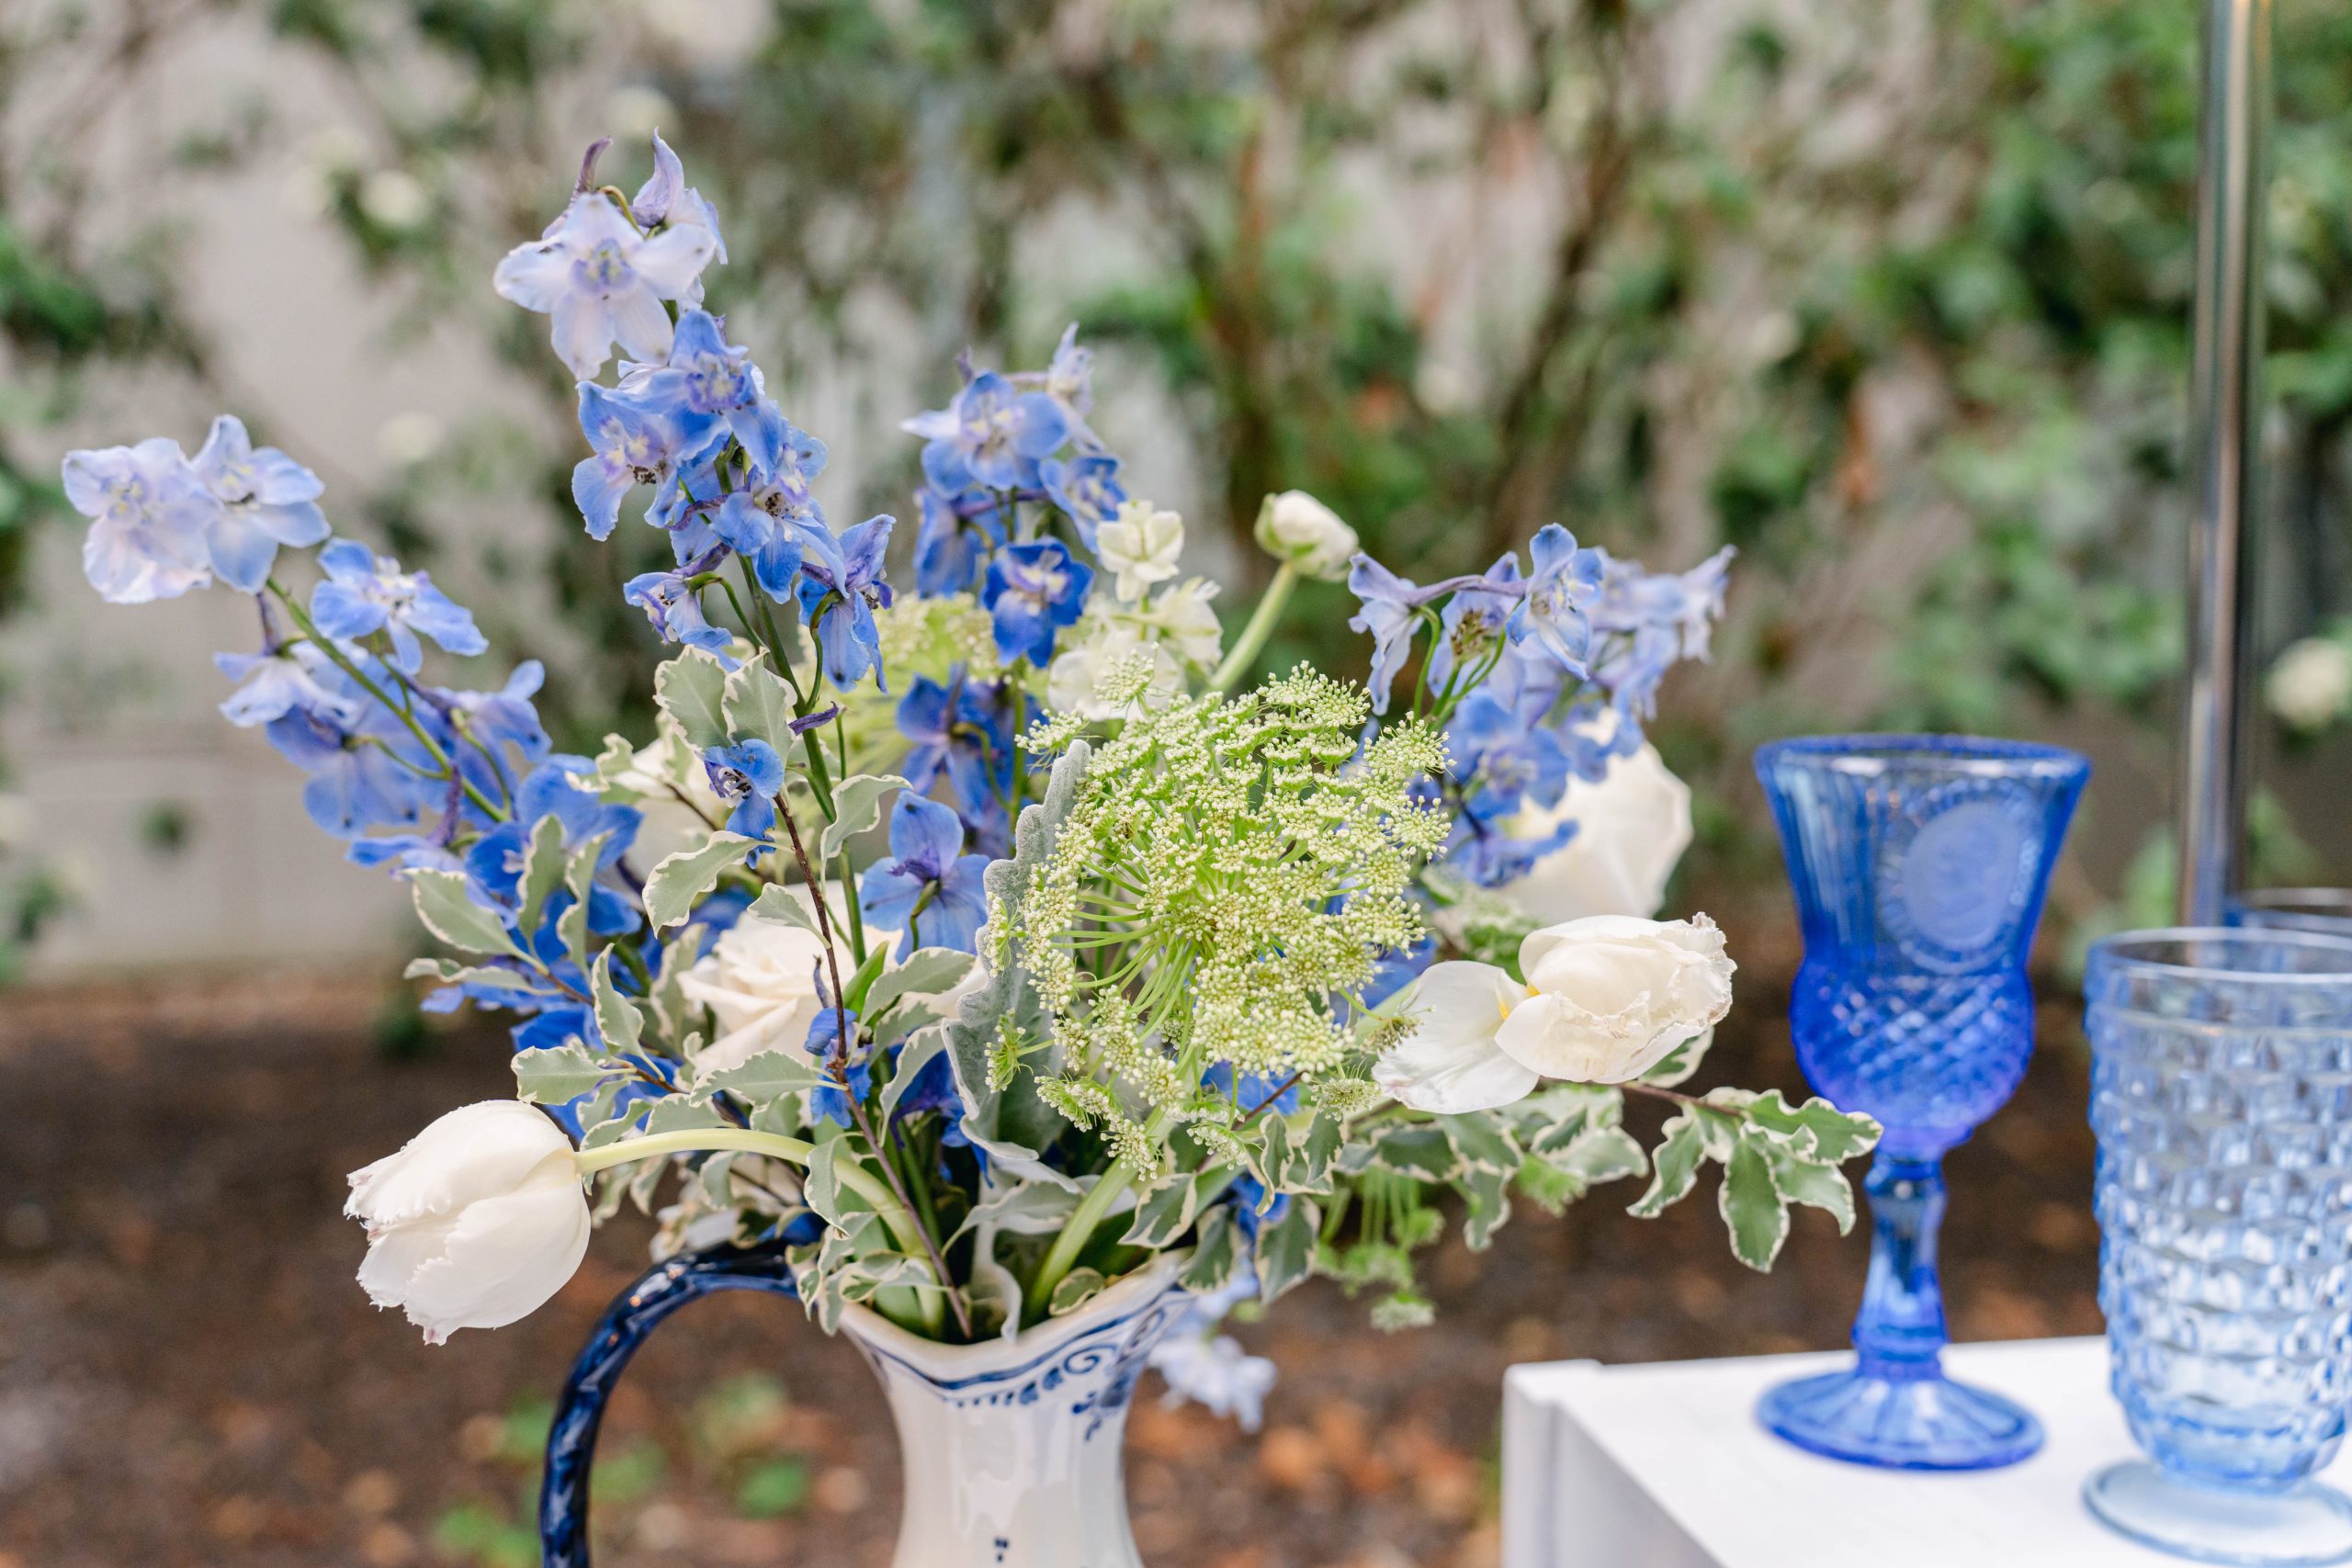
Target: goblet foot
2303, 1525
1926, 1423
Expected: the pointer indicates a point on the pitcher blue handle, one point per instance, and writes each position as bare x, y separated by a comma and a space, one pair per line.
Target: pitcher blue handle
635, 1313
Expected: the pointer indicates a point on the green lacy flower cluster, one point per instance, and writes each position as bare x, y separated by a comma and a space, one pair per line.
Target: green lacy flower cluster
1223, 886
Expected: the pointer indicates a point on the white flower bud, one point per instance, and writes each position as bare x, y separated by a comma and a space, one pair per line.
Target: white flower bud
1295, 527
2310, 686
476, 1221
1139, 547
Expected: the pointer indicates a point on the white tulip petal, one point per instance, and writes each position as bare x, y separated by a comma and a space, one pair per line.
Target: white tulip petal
504, 1258
1450, 1063
489, 1147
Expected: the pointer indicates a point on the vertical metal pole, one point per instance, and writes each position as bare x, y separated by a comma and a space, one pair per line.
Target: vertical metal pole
2225, 436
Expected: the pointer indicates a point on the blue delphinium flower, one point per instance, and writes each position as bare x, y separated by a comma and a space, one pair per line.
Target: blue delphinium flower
839, 596
1254, 1089
992, 433
958, 533
563, 788
600, 279
358, 780
749, 773
931, 889
1033, 590
1474, 620
1646, 621
1087, 489
675, 608
261, 499
148, 513
366, 594
963, 728
826, 1101
1502, 763
706, 384
282, 678
665, 197
1389, 613
1069, 382
629, 444
777, 529
1565, 580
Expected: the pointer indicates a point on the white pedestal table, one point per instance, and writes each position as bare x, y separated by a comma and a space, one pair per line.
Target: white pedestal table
1663, 1466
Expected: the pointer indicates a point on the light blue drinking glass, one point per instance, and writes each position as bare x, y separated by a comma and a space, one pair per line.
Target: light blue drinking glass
2222, 1095
2327, 911
1919, 864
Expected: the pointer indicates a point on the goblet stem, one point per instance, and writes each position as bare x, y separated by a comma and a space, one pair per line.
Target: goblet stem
1900, 1332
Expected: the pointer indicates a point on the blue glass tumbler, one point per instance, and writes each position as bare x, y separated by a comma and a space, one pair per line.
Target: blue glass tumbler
1920, 862
2221, 1094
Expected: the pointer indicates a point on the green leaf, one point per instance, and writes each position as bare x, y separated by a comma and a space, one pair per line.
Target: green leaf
543, 868
857, 804
1678, 1065
767, 1077
1164, 1213
1751, 1206
854, 992
758, 706
692, 689
1817, 1125
616, 1018
1605, 1154
1486, 1197
559, 1074
571, 926
1418, 1149
449, 912
681, 1112
784, 906
1217, 1253
1287, 1248
1029, 1208
1812, 1182
1078, 1287
678, 883
1674, 1166
928, 972
1481, 1143
451, 973
821, 1188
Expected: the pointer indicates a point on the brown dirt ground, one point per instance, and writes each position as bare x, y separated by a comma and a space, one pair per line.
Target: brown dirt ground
188, 1375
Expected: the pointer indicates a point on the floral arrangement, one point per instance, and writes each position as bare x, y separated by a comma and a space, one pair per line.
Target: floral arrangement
1147, 957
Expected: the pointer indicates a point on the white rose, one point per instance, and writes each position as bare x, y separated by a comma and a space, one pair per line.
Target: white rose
475, 1223
2311, 685
1139, 546
1632, 828
1607, 998
1295, 527
759, 980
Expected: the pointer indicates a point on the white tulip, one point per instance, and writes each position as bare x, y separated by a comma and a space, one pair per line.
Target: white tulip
760, 981
1607, 997
1295, 527
1632, 828
476, 1221
1139, 547
2310, 686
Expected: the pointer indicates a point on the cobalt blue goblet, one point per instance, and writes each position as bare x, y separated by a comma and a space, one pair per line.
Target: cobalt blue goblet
1919, 864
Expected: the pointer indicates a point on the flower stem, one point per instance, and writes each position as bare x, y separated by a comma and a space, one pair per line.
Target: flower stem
692, 1140
1091, 1211
1253, 640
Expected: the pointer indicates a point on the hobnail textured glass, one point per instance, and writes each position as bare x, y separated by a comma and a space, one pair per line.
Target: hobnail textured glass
2327, 911
2222, 1095
1919, 864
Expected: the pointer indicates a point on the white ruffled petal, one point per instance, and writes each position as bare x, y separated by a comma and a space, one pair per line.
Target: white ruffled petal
1450, 1063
